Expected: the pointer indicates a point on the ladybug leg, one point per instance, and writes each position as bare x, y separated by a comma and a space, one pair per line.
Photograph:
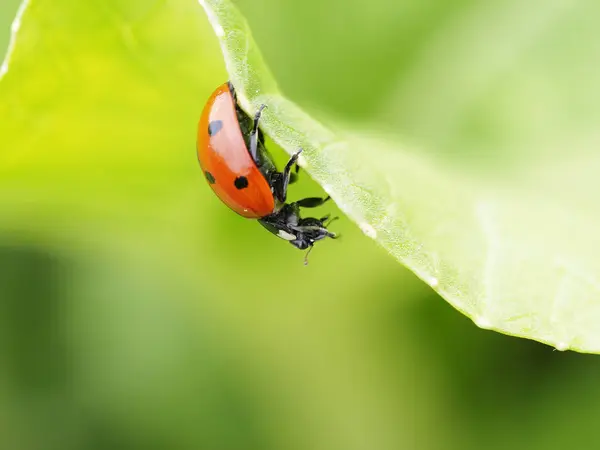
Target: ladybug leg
316, 233
284, 180
311, 202
255, 134
309, 230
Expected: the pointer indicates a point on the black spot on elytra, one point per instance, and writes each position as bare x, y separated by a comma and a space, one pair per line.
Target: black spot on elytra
214, 127
209, 177
241, 182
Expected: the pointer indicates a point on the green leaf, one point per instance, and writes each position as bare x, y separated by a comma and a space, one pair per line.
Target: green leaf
94, 120
514, 247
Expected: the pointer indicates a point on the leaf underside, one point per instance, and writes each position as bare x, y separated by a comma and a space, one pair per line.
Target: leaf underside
514, 253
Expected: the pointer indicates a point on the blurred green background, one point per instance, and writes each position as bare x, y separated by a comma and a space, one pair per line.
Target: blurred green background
136, 311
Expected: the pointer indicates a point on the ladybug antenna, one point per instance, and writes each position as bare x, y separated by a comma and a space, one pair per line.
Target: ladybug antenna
306, 255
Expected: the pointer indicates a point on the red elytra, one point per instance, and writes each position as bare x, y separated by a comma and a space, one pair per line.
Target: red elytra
227, 164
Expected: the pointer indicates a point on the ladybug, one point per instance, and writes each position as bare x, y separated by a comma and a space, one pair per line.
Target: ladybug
241, 172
